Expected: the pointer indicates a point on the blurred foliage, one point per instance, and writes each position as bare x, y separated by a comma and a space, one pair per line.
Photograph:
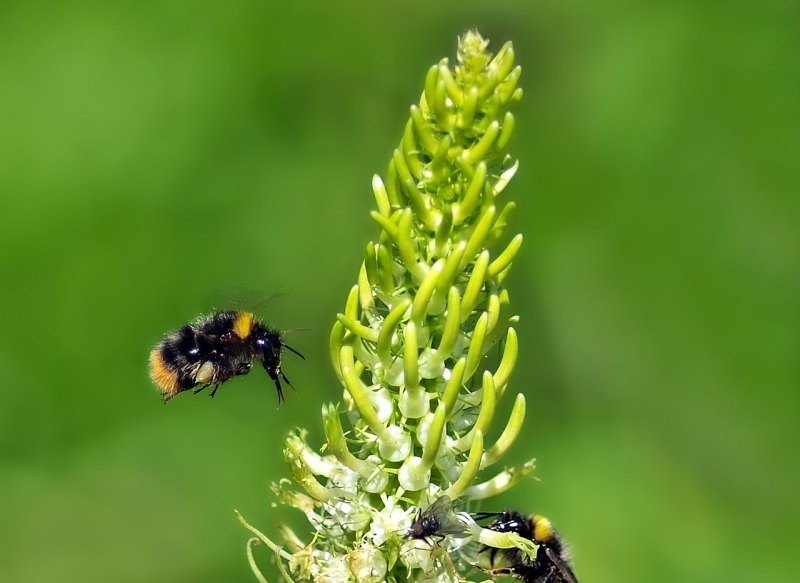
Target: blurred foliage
153, 154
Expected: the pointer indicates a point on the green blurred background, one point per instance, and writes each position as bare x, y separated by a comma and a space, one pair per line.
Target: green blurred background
156, 154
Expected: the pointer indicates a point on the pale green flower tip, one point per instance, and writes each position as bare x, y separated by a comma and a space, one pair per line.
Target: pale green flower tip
453, 90
365, 293
360, 398
472, 196
440, 245
412, 152
430, 432
426, 138
482, 147
335, 346
506, 88
414, 475
506, 257
358, 328
385, 223
477, 239
506, 131
351, 305
406, 247
372, 478
509, 435
413, 195
327, 466
367, 564
452, 322
410, 357
420, 303
486, 414
302, 475
451, 267
500, 483
441, 105
500, 226
381, 196
453, 386
474, 286
388, 329
476, 345
503, 62
469, 108
508, 361
431, 79
493, 310
395, 445
470, 468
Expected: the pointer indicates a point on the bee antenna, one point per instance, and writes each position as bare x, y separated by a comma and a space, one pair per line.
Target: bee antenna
292, 350
482, 515
281, 398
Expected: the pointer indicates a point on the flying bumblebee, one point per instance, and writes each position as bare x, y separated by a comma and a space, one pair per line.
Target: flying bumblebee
551, 564
438, 521
213, 349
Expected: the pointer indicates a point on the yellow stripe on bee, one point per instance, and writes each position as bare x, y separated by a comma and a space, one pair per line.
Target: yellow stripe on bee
243, 324
165, 378
542, 529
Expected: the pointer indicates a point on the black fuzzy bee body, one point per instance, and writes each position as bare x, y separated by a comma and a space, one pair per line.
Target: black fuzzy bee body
212, 350
551, 564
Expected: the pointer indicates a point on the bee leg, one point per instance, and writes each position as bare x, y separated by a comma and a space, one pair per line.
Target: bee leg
279, 388
499, 572
214, 391
288, 382
198, 389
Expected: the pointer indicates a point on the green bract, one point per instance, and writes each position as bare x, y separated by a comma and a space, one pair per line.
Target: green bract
410, 347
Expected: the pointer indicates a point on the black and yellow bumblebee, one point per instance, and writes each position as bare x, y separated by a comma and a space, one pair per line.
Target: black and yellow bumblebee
215, 348
551, 564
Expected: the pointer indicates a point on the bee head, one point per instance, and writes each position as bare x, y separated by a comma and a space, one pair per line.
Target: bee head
267, 346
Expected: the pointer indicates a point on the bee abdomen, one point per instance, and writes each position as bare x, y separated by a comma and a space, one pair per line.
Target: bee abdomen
163, 375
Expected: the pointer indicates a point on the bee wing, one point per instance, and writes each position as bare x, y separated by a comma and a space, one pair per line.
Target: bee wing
565, 574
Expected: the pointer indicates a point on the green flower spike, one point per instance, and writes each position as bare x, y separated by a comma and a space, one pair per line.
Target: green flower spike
414, 350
